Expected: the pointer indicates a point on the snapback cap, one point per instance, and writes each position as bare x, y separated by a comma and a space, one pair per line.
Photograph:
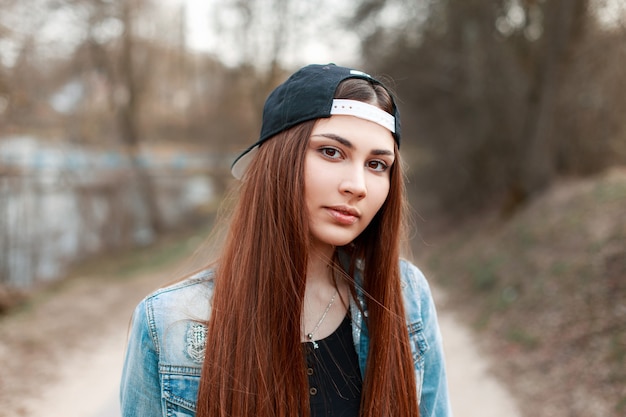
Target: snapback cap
308, 94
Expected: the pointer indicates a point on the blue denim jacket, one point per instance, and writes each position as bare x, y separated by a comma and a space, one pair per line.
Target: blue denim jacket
166, 347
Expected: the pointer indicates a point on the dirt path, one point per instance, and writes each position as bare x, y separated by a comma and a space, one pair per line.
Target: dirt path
62, 355
87, 384
77, 375
474, 391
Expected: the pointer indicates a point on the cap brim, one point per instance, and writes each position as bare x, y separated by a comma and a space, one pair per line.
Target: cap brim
239, 167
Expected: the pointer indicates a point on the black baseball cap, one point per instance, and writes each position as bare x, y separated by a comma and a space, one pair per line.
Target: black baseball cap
308, 94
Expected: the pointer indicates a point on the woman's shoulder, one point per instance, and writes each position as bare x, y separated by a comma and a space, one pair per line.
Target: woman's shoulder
188, 299
412, 276
201, 280
415, 289
173, 318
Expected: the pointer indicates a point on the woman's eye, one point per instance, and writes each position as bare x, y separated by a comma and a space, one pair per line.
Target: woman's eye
331, 153
377, 165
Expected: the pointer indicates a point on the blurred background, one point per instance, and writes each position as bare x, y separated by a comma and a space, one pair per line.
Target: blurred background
119, 120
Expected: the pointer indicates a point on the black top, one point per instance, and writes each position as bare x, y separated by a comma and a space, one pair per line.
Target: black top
334, 377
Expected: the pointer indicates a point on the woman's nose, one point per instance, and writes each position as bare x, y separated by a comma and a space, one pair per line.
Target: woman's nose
353, 183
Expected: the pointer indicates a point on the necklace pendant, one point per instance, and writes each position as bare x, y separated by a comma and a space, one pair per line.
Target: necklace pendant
309, 336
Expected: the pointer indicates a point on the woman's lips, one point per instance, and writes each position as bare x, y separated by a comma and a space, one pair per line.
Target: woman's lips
343, 215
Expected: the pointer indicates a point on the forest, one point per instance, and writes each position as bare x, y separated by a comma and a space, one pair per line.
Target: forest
119, 119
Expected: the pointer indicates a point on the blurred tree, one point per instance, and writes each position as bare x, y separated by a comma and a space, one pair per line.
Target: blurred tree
590, 108
483, 86
118, 76
130, 86
124, 62
21, 82
256, 39
268, 35
563, 27
262, 30
4, 87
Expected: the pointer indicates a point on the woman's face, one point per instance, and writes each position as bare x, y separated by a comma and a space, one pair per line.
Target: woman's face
346, 173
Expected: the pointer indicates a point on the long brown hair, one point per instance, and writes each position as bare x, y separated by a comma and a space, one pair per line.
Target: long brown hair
254, 363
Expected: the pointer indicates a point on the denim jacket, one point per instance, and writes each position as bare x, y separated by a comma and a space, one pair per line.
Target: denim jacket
166, 347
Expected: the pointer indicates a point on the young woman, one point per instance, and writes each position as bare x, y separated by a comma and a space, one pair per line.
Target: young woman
309, 310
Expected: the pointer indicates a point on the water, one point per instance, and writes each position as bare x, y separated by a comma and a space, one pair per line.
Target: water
60, 203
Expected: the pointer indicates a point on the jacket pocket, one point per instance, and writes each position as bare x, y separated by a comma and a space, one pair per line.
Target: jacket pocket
180, 390
419, 346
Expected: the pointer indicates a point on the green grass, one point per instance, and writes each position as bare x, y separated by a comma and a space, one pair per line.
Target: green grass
535, 285
522, 337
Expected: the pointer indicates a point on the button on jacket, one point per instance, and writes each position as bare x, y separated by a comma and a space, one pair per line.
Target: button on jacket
166, 347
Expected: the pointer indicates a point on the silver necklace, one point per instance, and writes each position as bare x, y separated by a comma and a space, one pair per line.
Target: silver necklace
310, 335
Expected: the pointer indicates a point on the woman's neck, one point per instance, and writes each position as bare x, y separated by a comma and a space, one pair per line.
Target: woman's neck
319, 272
325, 300
319, 269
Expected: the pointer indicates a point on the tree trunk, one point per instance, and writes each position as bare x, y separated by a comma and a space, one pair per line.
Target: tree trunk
562, 27
127, 116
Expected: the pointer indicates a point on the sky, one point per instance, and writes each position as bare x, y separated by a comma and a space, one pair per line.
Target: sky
58, 32
319, 43
611, 12
319, 47
320, 38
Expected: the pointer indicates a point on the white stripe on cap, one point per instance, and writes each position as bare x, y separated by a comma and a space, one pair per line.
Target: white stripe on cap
364, 111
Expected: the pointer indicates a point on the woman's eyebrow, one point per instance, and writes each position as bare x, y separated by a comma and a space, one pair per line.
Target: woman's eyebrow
345, 142
382, 152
